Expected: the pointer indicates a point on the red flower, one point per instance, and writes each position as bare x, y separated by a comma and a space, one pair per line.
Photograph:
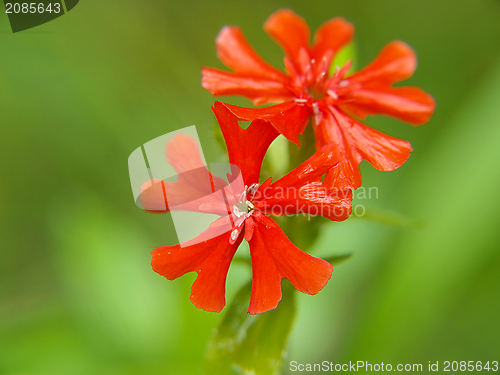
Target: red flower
309, 91
273, 255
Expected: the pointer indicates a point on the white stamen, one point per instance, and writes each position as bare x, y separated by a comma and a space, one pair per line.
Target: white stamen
333, 94
301, 100
343, 83
237, 212
316, 108
253, 188
243, 212
243, 195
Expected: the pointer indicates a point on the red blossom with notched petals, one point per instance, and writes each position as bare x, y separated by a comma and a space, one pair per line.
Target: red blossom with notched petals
309, 91
273, 255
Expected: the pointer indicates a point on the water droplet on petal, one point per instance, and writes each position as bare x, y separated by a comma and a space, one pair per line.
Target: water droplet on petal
234, 234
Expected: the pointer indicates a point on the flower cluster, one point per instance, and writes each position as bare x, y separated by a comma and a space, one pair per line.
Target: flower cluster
335, 101
331, 101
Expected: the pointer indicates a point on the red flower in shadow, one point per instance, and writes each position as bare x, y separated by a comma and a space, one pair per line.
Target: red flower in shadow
331, 100
273, 255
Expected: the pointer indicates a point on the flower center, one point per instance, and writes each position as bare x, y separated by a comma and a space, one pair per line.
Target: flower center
317, 84
243, 209
316, 92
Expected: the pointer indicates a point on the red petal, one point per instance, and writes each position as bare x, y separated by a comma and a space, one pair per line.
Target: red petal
384, 152
274, 256
332, 35
210, 259
259, 90
409, 104
249, 228
290, 31
265, 220
312, 169
302, 192
263, 187
345, 174
313, 198
395, 62
246, 147
289, 118
237, 54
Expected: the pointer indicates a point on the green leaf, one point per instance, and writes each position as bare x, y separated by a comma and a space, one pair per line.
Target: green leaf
251, 344
338, 259
346, 54
390, 218
277, 159
219, 138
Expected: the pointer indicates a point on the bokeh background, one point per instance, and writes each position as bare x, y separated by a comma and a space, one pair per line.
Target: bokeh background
79, 94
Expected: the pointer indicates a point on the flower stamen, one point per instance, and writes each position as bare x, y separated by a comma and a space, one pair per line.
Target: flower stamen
332, 94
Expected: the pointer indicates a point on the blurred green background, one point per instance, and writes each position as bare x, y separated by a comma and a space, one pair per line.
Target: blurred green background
79, 94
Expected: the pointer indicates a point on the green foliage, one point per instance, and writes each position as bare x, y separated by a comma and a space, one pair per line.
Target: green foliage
334, 260
251, 344
276, 162
219, 138
449, 264
390, 218
346, 54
